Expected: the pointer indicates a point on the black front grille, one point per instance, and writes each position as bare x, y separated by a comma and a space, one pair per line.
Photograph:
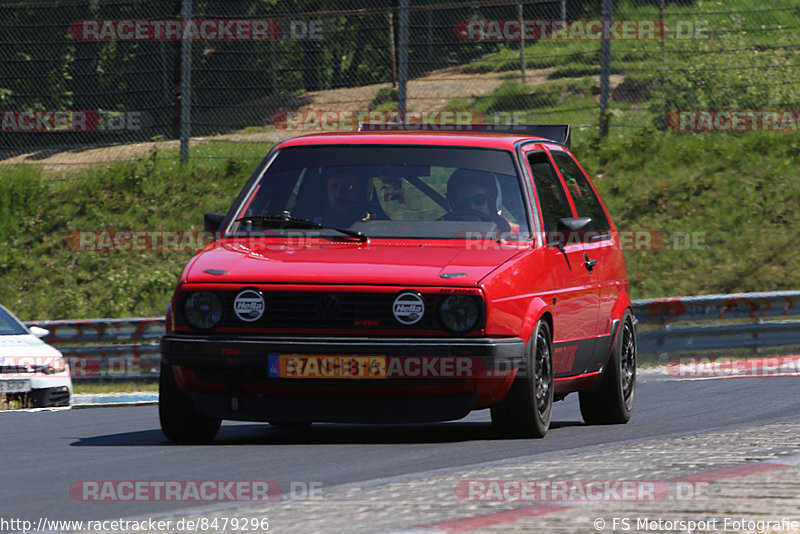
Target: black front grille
329, 310
15, 369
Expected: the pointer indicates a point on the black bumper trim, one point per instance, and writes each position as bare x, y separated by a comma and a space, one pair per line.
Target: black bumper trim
55, 396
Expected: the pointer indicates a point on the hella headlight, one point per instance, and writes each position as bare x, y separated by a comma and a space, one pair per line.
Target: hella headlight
203, 310
459, 313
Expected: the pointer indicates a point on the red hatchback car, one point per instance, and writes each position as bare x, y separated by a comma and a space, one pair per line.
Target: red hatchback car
399, 277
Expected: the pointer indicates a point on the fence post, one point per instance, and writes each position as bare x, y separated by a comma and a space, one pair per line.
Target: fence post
392, 50
402, 53
521, 42
186, 85
605, 66
273, 63
429, 20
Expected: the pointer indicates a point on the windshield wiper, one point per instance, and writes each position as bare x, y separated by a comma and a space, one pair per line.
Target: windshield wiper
285, 221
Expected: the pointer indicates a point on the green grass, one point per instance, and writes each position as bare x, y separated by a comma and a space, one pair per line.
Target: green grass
742, 46
14, 403
43, 272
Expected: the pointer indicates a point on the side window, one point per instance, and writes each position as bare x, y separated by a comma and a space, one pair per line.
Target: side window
551, 195
583, 196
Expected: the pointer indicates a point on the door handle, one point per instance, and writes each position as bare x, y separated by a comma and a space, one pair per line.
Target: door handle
588, 263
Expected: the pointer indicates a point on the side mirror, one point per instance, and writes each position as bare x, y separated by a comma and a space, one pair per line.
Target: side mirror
571, 230
39, 332
212, 221
574, 224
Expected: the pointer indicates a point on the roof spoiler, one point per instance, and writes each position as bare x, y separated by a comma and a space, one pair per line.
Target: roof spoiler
559, 133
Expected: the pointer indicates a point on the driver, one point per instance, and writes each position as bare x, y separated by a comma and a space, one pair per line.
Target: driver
349, 197
476, 195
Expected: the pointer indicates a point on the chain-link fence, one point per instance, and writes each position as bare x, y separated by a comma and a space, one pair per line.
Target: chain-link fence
86, 81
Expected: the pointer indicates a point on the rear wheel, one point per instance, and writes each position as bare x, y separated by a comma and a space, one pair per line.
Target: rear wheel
180, 419
612, 402
526, 409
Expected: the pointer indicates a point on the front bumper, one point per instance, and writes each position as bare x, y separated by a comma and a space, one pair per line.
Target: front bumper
51, 396
229, 378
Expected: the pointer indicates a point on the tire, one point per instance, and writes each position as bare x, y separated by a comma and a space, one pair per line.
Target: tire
612, 402
180, 419
525, 411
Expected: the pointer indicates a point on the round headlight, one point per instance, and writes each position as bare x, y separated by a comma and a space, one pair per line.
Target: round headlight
203, 310
459, 313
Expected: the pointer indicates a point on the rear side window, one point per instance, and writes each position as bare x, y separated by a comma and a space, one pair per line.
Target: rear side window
586, 202
552, 200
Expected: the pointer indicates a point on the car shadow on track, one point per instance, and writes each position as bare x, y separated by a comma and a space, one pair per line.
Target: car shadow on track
320, 434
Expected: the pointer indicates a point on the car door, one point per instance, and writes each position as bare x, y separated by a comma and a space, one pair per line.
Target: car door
574, 295
601, 248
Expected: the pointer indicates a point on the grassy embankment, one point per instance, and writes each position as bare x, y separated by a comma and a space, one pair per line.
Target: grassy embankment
737, 196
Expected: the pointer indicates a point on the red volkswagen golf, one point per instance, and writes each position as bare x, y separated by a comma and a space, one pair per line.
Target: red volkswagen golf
398, 277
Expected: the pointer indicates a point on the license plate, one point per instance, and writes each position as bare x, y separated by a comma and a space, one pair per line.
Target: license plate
15, 386
307, 366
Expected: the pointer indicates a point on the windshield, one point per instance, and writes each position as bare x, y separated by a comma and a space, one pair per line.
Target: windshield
9, 325
387, 191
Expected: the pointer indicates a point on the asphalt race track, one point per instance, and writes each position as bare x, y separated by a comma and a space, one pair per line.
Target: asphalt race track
45, 452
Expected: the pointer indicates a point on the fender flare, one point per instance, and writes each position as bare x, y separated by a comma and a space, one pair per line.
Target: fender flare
537, 308
622, 305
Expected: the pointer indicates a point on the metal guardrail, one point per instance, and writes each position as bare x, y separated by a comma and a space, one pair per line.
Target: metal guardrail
86, 344
754, 322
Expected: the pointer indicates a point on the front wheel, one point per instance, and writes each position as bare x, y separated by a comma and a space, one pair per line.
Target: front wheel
612, 402
180, 419
526, 409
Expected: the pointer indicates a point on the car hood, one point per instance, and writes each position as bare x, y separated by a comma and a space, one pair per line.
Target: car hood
25, 345
448, 263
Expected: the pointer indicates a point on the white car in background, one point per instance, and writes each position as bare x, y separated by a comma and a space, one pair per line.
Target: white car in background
31, 371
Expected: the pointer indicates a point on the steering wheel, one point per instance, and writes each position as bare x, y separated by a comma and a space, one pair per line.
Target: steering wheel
468, 215
348, 216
